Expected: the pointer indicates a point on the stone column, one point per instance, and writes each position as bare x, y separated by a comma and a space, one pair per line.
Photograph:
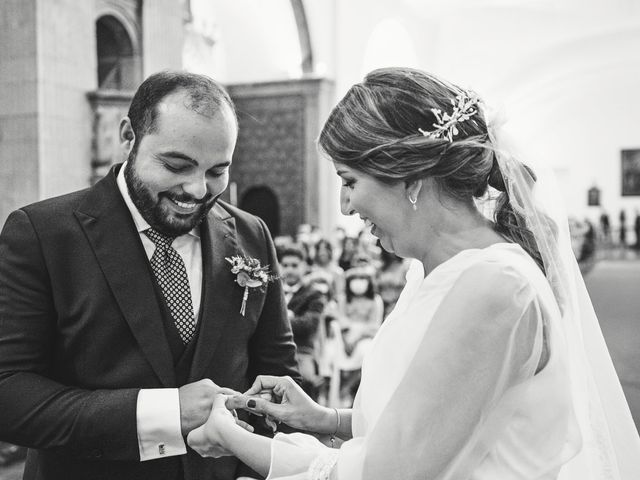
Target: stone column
19, 166
47, 65
163, 35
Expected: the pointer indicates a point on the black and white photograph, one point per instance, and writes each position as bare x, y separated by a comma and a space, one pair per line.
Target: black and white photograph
319, 240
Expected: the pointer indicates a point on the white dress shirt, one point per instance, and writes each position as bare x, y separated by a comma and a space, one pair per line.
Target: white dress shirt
290, 290
158, 409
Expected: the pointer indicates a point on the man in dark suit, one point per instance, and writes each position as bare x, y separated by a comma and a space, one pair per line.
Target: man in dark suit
293, 268
120, 317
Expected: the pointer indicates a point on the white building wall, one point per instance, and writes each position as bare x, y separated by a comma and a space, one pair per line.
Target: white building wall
67, 69
565, 73
18, 106
254, 40
162, 35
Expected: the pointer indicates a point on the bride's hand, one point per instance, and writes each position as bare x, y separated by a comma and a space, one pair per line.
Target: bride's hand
284, 400
208, 439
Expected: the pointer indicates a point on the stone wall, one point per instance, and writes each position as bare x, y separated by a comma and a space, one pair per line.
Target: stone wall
279, 122
48, 70
18, 105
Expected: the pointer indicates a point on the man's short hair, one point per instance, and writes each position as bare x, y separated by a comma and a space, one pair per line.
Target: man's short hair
205, 96
291, 251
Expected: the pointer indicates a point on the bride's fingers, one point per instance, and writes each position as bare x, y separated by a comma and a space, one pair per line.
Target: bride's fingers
269, 396
262, 382
237, 401
220, 401
256, 387
240, 401
197, 440
244, 425
228, 391
261, 406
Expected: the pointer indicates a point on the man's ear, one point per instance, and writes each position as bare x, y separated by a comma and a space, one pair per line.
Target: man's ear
412, 189
127, 137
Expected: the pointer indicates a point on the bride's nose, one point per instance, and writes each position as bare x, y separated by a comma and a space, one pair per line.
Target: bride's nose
345, 206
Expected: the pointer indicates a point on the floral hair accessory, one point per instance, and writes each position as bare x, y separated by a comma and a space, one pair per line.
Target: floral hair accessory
249, 274
464, 107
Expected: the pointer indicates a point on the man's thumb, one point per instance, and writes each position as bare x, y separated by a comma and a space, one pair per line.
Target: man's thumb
219, 401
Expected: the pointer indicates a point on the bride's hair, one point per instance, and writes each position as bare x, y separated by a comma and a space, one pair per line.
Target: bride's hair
378, 128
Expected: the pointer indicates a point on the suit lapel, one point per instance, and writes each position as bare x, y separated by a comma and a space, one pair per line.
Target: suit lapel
218, 241
111, 231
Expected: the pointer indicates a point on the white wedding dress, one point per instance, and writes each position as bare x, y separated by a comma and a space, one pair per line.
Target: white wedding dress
454, 387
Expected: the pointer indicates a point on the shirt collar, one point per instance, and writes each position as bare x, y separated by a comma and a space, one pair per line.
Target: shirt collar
138, 219
291, 288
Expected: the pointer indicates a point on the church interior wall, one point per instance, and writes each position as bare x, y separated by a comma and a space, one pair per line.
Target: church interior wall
66, 71
558, 71
564, 72
255, 41
18, 106
163, 35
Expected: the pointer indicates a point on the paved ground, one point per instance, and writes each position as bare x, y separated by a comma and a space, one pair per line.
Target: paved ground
614, 286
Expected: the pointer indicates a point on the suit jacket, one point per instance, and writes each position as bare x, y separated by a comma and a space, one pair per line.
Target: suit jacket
81, 332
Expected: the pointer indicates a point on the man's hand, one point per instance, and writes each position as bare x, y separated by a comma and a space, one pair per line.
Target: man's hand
196, 401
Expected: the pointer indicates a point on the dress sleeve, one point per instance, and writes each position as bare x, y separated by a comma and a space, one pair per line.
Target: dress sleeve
484, 338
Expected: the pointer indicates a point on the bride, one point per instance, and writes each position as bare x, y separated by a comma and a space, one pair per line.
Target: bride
492, 364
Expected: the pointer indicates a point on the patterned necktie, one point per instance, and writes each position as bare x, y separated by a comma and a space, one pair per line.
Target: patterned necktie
171, 274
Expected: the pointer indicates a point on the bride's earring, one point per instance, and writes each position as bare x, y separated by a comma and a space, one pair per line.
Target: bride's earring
412, 191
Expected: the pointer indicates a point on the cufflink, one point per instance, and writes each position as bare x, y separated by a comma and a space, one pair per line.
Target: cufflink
161, 449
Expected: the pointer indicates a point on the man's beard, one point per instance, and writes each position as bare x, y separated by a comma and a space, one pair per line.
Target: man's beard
159, 217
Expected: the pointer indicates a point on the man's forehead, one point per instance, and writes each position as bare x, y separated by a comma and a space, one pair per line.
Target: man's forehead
178, 106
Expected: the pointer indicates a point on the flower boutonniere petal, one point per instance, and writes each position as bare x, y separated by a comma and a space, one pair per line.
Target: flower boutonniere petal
249, 274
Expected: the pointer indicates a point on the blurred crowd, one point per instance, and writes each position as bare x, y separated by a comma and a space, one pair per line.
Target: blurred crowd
607, 238
619, 231
338, 289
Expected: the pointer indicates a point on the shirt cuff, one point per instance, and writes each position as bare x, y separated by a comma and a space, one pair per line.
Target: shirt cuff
158, 424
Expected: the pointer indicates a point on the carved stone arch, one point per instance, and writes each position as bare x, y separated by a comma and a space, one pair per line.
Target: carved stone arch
124, 18
126, 12
303, 36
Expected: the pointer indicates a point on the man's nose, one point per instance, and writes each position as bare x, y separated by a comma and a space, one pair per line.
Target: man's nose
196, 187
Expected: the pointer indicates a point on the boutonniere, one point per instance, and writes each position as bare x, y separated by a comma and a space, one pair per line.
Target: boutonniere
249, 274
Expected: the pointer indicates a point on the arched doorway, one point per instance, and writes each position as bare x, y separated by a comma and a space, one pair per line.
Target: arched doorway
262, 202
118, 63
